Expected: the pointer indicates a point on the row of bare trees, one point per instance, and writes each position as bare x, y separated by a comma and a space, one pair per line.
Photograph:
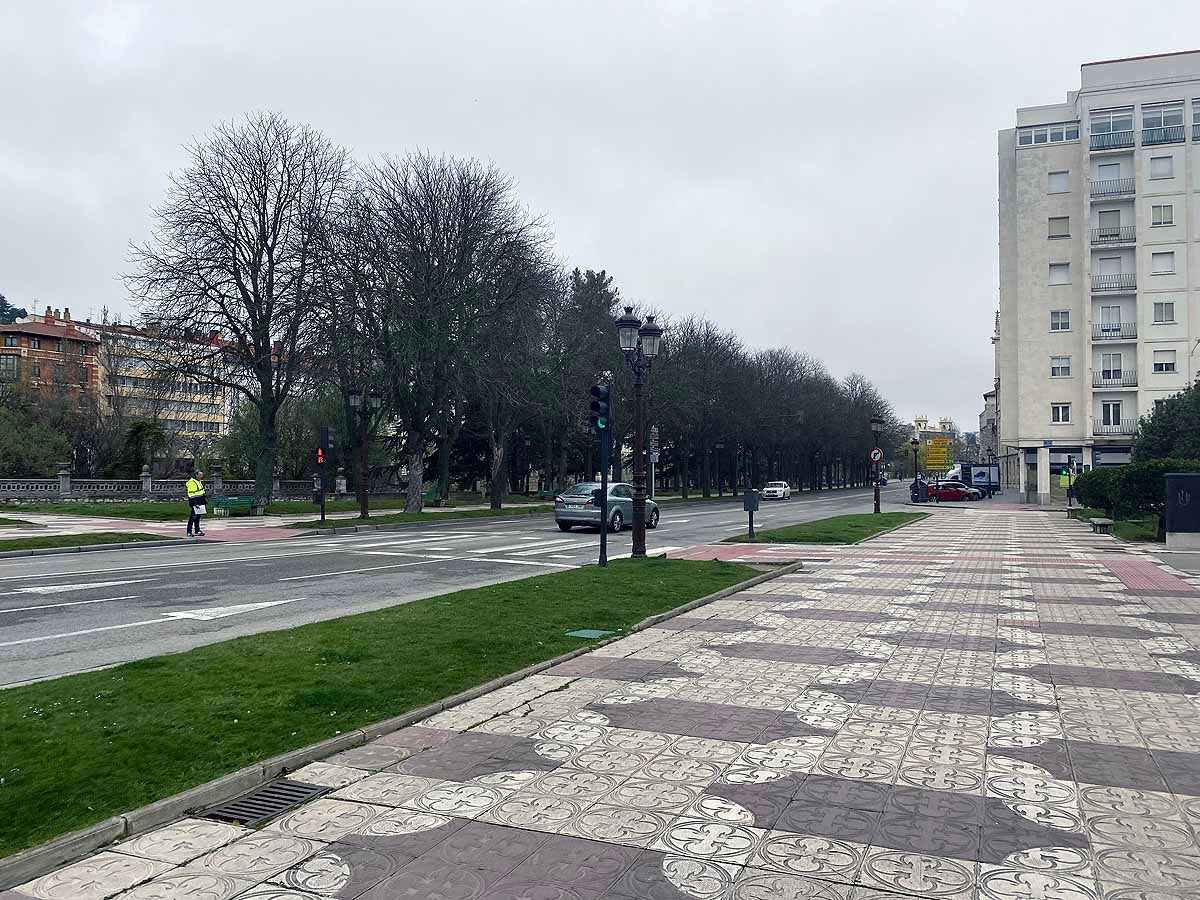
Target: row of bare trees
424, 279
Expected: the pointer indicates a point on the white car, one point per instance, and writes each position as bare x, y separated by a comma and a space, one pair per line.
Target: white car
777, 490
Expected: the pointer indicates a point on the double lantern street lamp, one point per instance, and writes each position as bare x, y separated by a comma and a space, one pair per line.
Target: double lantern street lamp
915, 443
360, 415
640, 342
876, 431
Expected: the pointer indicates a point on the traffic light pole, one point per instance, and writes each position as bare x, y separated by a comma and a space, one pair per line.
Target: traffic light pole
604, 460
639, 468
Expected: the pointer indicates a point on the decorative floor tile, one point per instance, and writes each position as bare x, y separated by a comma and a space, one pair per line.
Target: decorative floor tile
919, 874
715, 841
95, 878
340, 870
762, 884
258, 856
809, 855
184, 841
187, 884
326, 819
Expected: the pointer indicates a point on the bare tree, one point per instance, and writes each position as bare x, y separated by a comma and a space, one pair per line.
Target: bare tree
445, 228
227, 277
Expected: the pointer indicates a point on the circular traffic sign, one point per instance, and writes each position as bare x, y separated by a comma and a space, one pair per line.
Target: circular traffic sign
876, 455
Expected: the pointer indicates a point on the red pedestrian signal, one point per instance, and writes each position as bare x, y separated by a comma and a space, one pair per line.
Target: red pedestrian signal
320, 456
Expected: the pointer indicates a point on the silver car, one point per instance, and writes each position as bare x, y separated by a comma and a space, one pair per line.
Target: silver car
580, 505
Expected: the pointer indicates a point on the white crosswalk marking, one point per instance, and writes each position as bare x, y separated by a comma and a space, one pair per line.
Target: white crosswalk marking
83, 586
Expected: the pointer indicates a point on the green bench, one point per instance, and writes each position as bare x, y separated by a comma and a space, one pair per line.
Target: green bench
226, 506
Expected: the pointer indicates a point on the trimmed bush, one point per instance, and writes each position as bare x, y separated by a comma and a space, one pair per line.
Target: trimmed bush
1097, 488
1140, 488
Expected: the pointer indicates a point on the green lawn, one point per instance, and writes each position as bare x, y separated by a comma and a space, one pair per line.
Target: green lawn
1144, 529
85, 747
400, 518
4, 523
77, 540
834, 530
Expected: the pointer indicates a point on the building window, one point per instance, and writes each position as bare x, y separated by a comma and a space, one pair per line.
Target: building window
1048, 134
1060, 320
10, 340
83, 374
1059, 227
1060, 273
8, 368
58, 346
1110, 412
1111, 120
1162, 167
1162, 115
1060, 413
1164, 360
1164, 312
60, 373
1110, 319
1110, 366
1058, 182
35, 369
1162, 263
1162, 214
1060, 366
35, 343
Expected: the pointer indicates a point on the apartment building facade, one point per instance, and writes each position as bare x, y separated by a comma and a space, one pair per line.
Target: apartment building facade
50, 351
1099, 216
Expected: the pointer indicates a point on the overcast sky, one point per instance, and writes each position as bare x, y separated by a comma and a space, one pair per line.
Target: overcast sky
817, 175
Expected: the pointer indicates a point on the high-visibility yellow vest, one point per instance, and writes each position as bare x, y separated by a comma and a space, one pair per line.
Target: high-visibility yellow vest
195, 488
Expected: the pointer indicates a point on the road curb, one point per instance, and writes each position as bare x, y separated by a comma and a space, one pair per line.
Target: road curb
91, 548
37, 861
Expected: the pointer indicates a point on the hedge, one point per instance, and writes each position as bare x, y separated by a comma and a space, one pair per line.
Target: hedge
1134, 490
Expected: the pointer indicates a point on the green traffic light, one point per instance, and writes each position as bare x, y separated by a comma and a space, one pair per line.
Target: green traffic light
601, 424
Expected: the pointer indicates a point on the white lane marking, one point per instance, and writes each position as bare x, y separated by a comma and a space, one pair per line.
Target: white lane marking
67, 634
263, 554
538, 551
63, 588
526, 546
419, 562
221, 612
69, 603
675, 521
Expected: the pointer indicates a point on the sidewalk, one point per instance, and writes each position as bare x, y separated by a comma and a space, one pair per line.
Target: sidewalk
984, 704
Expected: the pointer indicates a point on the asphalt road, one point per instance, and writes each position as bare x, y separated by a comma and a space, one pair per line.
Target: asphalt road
74, 612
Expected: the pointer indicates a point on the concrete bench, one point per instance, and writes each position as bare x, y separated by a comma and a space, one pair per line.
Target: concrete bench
1102, 526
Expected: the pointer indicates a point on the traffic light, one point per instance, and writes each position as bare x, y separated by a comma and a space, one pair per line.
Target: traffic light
599, 406
320, 456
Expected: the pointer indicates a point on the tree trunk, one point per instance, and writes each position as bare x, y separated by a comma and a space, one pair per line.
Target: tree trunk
684, 475
499, 476
264, 463
364, 468
705, 470
416, 473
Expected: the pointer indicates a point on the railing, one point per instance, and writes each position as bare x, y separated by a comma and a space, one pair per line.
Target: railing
1113, 187
1122, 234
38, 488
293, 488
1115, 378
1120, 331
107, 487
1196, 132
1121, 281
1168, 134
1125, 426
1111, 140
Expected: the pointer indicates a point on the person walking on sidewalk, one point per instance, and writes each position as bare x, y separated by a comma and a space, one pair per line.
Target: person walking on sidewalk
197, 502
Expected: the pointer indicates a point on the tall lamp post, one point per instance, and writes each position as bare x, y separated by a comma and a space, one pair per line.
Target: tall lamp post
361, 415
876, 430
640, 343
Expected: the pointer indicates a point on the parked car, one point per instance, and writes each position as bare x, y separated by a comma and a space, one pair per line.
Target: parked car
776, 490
580, 505
954, 490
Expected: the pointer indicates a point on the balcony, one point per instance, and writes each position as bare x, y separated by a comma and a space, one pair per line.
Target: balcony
1168, 134
1111, 140
1114, 187
1115, 378
1122, 331
1123, 234
1196, 132
1125, 426
1121, 281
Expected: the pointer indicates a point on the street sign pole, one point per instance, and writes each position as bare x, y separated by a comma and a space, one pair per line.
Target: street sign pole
604, 455
876, 459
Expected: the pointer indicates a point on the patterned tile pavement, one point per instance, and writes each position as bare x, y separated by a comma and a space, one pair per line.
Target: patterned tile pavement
988, 704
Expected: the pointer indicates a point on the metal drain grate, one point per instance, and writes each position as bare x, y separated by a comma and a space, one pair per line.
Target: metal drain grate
265, 803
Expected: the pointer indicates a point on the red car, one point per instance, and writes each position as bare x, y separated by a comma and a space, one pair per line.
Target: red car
950, 491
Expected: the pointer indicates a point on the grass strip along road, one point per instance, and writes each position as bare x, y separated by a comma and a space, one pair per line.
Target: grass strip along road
86, 747
835, 530
401, 518
1143, 529
78, 540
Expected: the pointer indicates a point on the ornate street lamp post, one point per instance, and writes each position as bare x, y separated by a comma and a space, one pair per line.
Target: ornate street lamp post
916, 445
640, 342
361, 416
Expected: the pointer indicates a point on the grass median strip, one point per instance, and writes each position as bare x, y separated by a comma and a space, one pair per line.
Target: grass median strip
1142, 529
8, 522
85, 747
77, 540
834, 530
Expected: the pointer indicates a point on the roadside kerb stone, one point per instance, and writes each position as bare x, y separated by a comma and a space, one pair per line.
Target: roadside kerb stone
34, 862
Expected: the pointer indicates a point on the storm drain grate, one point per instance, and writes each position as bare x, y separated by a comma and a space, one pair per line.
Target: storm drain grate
265, 803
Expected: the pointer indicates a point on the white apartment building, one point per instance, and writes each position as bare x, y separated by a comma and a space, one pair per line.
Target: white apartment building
1099, 262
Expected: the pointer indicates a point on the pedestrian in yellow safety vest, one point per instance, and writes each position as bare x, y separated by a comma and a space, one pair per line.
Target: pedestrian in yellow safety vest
197, 502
